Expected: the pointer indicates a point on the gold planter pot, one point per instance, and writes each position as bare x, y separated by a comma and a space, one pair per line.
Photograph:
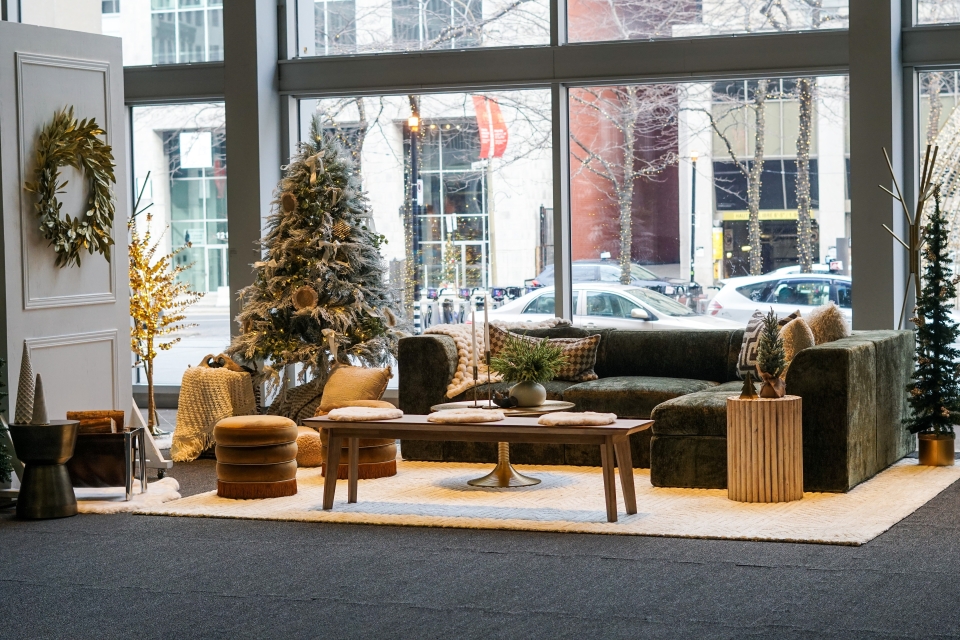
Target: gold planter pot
936, 450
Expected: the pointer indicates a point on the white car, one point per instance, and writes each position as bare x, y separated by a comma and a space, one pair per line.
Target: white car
612, 306
738, 298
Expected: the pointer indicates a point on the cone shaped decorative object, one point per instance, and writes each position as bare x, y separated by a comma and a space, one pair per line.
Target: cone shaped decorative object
39, 405
24, 410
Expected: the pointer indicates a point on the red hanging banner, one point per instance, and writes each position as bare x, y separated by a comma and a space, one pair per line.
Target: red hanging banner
493, 129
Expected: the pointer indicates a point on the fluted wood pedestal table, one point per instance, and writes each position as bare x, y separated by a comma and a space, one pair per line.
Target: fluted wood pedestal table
764, 449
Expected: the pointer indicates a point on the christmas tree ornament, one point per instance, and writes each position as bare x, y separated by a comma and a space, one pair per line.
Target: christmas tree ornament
748, 392
322, 241
341, 229
288, 201
25, 388
305, 298
39, 416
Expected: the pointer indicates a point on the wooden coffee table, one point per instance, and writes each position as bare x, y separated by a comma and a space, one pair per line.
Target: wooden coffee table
613, 440
504, 475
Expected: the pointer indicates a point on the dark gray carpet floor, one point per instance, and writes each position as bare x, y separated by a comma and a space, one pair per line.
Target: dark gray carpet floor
131, 576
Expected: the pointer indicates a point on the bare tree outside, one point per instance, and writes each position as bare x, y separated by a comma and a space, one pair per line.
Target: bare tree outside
640, 115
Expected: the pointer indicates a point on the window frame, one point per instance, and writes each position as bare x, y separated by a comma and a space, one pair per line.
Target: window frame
561, 65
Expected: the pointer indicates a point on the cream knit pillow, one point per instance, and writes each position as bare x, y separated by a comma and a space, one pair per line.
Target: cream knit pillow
828, 324
797, 336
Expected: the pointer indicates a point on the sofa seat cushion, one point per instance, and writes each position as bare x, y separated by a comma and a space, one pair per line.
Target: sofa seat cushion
695, 414
555, 389
630, 396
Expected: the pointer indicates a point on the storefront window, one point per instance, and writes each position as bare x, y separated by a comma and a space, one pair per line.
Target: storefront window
938, 11
180, 164
352, 26
595, 20
460, 193
674, 176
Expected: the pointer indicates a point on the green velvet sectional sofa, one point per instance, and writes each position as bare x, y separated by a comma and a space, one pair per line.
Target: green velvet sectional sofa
854, 393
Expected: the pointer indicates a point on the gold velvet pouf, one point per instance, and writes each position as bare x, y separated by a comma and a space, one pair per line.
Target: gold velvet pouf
256, 457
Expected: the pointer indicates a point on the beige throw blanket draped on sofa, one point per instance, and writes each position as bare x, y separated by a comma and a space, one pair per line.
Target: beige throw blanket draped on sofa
462, 336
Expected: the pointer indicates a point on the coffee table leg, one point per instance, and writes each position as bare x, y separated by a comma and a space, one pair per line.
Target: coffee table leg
609, 483
333, 466
353, 469
625, 465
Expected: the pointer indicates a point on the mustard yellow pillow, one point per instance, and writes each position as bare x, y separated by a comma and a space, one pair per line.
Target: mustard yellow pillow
347, 384
372, 404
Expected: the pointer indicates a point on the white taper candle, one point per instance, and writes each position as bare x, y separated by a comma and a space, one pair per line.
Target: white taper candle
473, 327
486, 324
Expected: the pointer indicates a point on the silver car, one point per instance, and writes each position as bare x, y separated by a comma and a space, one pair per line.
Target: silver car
612, 306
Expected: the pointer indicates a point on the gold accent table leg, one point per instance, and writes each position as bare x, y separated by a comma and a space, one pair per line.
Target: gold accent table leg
504, 475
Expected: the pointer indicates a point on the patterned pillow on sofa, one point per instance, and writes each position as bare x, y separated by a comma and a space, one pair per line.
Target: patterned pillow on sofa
747, 362
580, 353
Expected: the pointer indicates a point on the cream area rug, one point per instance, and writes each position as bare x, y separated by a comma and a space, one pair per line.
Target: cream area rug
111, 499
570, 500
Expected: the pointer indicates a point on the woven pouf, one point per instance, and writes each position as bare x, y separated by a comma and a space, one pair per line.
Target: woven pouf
378, 458
256, 457
309, 448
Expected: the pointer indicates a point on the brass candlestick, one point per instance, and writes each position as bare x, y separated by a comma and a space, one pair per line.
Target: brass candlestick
476, 376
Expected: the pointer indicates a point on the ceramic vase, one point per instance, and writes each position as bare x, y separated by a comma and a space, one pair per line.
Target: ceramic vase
529, 394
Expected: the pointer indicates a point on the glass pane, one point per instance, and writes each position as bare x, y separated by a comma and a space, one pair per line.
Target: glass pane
460, 199
938, 11
595, 20
374, 26
179, 160
163, 31
939, 120
671, 175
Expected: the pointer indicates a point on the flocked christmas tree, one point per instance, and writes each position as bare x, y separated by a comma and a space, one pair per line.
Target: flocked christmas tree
935, 392
319, 294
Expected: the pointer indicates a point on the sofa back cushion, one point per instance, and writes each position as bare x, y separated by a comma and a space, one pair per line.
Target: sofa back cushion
698, 355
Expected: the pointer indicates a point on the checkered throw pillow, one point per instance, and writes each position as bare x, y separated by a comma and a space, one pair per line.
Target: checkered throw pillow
580, 353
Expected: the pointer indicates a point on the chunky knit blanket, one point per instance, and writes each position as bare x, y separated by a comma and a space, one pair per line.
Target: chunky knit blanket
462, 336
206, 397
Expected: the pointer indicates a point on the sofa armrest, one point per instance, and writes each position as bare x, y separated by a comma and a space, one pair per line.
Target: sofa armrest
854, 402
426, 366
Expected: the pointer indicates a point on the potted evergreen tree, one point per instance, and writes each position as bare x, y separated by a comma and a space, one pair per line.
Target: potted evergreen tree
935, 391
771, 358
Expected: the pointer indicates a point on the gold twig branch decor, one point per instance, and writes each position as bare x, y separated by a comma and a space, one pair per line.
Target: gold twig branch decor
67, 142
914, 242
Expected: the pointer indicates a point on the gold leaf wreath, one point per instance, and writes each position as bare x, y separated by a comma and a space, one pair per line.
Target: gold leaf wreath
67, 142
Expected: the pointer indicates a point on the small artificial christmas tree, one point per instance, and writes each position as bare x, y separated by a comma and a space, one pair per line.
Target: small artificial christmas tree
935, 392
771, 358
6, 460
157, 300
319, 295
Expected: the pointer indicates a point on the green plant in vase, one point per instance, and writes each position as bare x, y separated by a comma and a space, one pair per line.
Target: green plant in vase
935, 391
529, 363
771, 358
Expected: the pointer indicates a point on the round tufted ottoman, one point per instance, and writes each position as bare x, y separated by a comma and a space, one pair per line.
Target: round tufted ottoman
256, 457
378, 458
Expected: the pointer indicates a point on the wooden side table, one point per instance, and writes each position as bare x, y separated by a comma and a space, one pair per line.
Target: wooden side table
764, 449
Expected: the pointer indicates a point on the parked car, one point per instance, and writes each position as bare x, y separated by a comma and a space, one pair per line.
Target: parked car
609, 271
738, 298
611, 306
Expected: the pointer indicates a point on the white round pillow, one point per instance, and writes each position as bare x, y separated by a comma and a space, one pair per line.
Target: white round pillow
364, 414
456, 416
576, 419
